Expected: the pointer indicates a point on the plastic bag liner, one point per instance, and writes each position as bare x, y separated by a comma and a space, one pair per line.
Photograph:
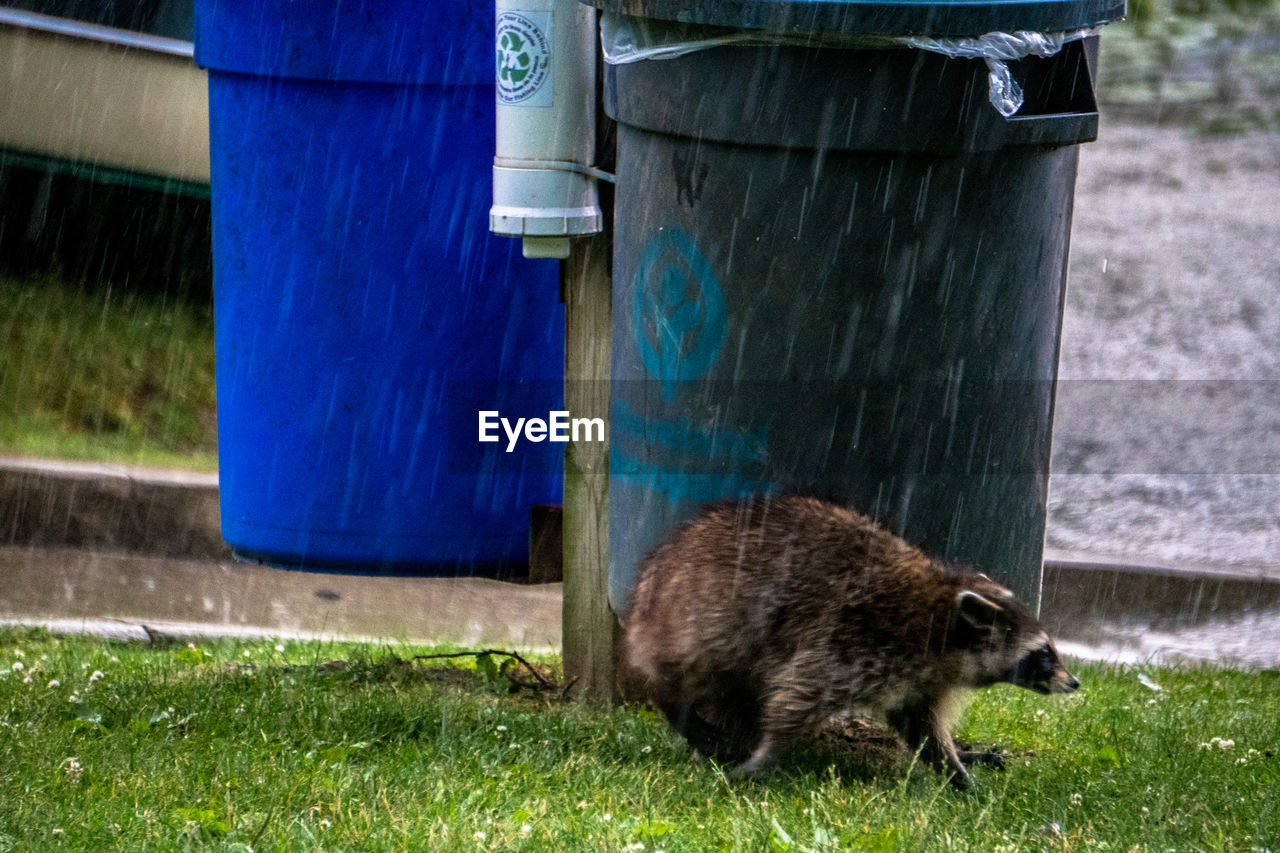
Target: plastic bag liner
997, 49
627, 39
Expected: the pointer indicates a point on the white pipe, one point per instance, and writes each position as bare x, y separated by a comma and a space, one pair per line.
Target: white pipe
543, 189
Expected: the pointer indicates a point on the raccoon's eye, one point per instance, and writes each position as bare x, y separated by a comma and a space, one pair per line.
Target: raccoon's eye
1036, 666
1042, 663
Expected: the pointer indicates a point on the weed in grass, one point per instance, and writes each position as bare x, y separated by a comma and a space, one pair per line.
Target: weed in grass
265, 746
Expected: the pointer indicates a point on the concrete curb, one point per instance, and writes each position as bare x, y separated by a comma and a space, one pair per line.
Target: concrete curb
1078, 586
161, 595
118, 507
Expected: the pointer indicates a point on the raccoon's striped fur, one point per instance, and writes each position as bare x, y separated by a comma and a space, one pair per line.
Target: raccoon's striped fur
759, 619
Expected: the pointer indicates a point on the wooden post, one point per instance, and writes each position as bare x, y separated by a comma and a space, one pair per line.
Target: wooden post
590, 628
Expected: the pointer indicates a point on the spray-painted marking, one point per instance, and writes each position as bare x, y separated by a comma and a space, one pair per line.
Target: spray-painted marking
524, 59
682, 486
679, 311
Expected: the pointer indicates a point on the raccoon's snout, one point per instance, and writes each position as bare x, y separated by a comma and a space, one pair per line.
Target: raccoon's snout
1059, 681
1041, 671
1066, 683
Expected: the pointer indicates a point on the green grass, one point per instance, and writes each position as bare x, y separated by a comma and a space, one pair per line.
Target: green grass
238, 746
104, 374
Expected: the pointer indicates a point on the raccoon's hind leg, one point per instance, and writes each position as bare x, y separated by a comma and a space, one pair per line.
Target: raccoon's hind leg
733, 711
924, 727
670, 695
799, 700
701, 735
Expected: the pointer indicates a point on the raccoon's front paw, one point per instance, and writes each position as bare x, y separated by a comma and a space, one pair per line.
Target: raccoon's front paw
991, 757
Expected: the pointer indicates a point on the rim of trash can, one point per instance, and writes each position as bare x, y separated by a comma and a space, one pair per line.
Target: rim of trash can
944, 18
870, 90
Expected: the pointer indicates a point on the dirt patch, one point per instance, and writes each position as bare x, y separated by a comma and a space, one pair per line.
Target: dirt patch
1175, 263
1175, 256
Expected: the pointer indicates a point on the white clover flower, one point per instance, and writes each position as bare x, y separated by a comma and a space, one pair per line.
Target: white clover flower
479, 836
1220, 743
54, 683
96, 676
71, 766
646, 749
606, 817
18, 666
526, 829
502, 728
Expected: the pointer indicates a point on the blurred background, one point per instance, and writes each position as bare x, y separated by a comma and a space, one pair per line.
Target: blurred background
1168, 406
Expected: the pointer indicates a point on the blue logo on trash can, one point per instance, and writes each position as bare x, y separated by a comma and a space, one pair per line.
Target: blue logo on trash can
679, 311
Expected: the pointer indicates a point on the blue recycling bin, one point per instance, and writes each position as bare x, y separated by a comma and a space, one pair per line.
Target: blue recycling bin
363, 310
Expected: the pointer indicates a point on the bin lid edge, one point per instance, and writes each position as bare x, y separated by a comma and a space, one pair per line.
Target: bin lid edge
940, 18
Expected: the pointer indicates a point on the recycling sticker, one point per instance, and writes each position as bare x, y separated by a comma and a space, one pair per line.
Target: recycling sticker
524, 59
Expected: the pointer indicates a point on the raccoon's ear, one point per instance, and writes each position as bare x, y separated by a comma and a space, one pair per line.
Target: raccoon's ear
978, 611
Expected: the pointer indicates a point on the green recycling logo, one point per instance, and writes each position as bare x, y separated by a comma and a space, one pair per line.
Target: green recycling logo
514, 61
524, 58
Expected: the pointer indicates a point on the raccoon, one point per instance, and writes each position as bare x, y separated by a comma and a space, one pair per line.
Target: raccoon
758, 620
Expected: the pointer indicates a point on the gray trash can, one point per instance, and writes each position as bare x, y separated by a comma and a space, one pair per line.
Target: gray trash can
840, 271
